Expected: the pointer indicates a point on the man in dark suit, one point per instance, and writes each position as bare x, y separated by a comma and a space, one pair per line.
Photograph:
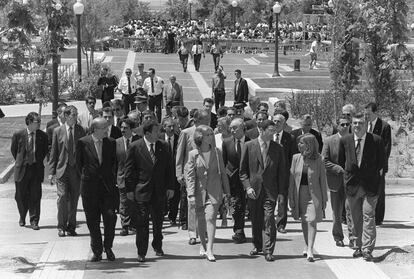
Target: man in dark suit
306, 123
113, 131
96, 160
171, 138
149, 181
335, 177
126, 207
232, 148
263, 174
56, 122
361, 155
29, 148
119, 111
241, 89
381, 128
285, 140
260, 116
208, 106
62, 168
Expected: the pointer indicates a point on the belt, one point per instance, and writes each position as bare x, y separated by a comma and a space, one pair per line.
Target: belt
154, 95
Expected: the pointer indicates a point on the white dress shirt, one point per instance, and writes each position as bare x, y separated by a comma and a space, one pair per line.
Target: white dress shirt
123, 85
158, 86
280, 136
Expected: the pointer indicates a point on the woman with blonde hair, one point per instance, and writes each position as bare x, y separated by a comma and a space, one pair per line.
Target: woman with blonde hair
207, 183
307, 189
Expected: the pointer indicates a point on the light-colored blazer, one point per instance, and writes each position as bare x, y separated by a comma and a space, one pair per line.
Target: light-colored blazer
184, 146
206, 180
316, 181
334, 172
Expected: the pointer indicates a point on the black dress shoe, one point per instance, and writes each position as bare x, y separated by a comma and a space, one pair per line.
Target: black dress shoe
269, 258
310, 259
72, 233
22, 223
184, 227
357, 253
95, 258
61, 233
340, 243
367, 256
192, 241
281, 230
239, 238
35, 227
255, 252
110, 255
159, 252
124, 232
141, 259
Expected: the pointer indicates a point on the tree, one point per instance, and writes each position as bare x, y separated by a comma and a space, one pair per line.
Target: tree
178, 9
221, 15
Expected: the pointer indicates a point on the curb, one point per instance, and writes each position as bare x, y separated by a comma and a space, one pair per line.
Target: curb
5, 175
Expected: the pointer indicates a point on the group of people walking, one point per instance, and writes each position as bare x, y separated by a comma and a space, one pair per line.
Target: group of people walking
125, 158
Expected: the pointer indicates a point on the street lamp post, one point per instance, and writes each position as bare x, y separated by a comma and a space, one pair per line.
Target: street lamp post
234, 4
78, 9
190, 2
55, 61
276, 10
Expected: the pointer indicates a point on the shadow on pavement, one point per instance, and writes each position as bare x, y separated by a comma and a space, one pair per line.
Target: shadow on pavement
396, 226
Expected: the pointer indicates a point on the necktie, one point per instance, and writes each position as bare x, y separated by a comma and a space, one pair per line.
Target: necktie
358, 150
264, 151
169, 144
277, 138
152, 86
127, 143
129, 86
71, 159
196, 49
238, 146
30, 151
99, 145
152, 153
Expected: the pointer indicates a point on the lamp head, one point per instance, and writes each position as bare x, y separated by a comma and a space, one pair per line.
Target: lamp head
277, 8
234, 3
78, 7
190, 2
58, 6
330, 4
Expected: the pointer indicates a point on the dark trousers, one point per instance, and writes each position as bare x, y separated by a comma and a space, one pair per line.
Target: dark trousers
173, 203
238, 204
380, 208
337, 204
127, 210
263, 223
154, 102
94, 208
282, 213
183, 205
68, 190
144, 209
29, 193
219, 98
216, 60
184, 61
197, 59
129, 102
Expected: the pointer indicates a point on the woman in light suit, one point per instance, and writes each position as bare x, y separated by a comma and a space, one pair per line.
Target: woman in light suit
207, 183
307, 189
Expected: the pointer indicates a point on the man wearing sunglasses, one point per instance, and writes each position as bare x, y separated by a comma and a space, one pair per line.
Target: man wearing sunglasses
334, 176
128, 88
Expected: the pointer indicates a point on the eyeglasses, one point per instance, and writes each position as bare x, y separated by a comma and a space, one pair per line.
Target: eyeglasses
91, 103
128, 73
345, 124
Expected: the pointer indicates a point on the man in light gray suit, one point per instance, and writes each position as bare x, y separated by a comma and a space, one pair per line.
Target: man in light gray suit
335, 179
184, 146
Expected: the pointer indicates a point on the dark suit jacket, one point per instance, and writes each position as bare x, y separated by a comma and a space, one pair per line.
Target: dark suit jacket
58, 159
174, 153
242, 94
334, 172
383, 129
121, 157
213, 121
147, 179
115, 132
232, 162
367, 175
49, 132
268, 176
18, 148
253, 133
250, 124
97, 179
298, 132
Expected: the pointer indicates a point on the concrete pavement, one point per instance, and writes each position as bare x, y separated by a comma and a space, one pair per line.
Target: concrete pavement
42, 254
